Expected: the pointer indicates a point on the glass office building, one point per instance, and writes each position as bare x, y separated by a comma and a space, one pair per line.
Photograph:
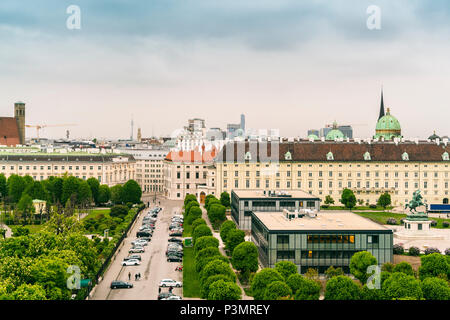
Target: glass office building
318, 242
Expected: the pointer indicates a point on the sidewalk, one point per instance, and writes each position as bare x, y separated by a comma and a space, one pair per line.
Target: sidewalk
8, 230
222, 250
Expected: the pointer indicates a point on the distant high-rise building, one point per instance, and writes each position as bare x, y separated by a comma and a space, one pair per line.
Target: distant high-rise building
19, 114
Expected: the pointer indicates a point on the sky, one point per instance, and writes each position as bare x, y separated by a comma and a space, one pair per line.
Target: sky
285, 64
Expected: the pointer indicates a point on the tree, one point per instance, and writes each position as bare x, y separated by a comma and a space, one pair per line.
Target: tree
276, 290
234, 238
359, 263
104, 194
404, 267
225, 228
189, 197
342, 288
333, 272
208, 198
54, 187
224, 290
245, 257
36, 190
372, 294
84, 194
198, 222
119, 211
29, 292
69, 188
116, 194
94, 185
204, 289
435, 289
400, 285
216, 213
348, 198
303, 288
225, 199
384, 200
211, 202
131, 192
193, 214
3, 186
262, 279
214, 267
16, 185
201, 231
387, 266
188, 207
25, 207
202, 262
329, 200
205, 242
286, 268
434, 265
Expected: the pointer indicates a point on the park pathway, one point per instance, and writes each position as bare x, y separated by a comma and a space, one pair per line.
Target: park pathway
222, 250
8, 230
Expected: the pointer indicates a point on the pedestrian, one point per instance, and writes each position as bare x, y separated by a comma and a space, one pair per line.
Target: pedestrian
170, 289
139, 276
159, 290
135, 277
129, 276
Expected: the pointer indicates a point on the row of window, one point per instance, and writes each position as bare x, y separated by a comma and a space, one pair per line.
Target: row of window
315, 254
340, 174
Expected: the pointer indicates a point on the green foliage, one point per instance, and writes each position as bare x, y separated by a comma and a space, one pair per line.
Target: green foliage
206, 242
116, 194
329, 200
434, 265
16, 185
371, 294
216, 213
216, 267
208, 198
94, 185
188, 198
84, 193
245, 257
201, 263
286, 268
131, 192
69, 188
3, 186
25, 208
388, 267
400, 285
413, 251
29, 292
201, 231
104, 194
204, 289
193, 214
211, 202
36, 190
384, 200
359, 263
225, 228
303, 288
225, 199
348, 198
435, 289
119, 211
333, 272
198, 222
21, 231
262, 279
276, 290
234, 237
404, 267
342, 288
189, 205
224, 290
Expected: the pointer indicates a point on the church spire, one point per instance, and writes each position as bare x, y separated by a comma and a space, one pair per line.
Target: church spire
381, 105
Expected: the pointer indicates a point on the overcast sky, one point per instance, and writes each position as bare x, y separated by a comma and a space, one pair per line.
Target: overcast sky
291, 65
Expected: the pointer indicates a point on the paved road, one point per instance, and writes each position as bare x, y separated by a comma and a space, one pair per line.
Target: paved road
153, 267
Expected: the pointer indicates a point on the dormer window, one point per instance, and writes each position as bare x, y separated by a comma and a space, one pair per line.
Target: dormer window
367, 156
405, 156
445, 156
288, 156
330, 156
248, 156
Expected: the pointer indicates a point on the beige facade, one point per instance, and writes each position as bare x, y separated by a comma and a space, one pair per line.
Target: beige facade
367, 178
108, 169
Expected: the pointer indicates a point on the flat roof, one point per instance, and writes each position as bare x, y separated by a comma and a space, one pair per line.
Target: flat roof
325, 221
244, 193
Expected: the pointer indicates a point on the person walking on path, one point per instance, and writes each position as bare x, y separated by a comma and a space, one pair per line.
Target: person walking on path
129, 276
135, 277
170, 289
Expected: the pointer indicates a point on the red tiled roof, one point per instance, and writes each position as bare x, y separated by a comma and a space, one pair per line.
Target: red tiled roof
342, 151
191, 156
9, 131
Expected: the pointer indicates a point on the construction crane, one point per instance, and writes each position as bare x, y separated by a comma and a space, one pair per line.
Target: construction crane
41, 126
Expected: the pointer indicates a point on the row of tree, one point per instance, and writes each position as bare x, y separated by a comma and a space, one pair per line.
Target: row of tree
348, 199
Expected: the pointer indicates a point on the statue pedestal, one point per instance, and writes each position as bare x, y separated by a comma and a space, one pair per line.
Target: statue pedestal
417, 227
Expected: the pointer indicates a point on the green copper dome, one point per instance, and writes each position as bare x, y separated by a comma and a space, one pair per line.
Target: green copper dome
335, 133
313, 136
388, 127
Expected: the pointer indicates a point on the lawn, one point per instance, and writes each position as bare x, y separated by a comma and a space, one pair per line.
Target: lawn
191, 281
187, 230
34, 228
95, 212
382, 217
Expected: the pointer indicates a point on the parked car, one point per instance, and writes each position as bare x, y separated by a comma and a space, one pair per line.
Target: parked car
176, 233
170, 283
164, 295
140, 234
121, 284
133, 256
175, 240
131, 262
136, 250
146, 238
139, 242
172, 297
174, 258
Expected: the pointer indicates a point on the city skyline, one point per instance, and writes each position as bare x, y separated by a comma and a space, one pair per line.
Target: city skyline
284, 65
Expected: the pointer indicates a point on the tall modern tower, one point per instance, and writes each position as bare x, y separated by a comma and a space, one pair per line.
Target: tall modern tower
19, 114
243, 122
